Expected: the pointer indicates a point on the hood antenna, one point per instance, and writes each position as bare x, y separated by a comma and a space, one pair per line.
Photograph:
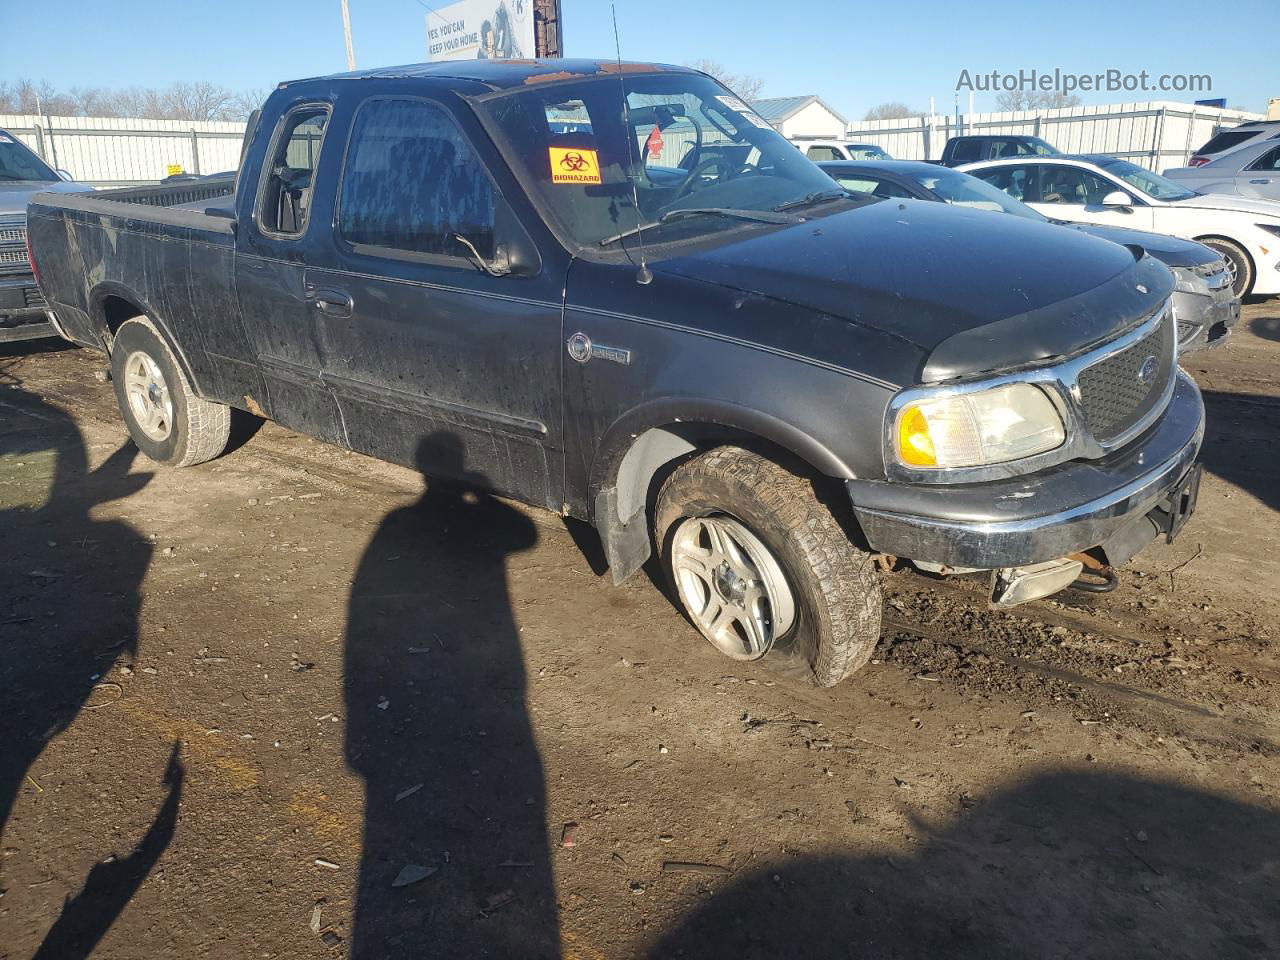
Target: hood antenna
644, 275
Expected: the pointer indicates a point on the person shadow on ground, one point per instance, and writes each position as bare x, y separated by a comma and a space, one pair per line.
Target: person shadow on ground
68, 612
455, 859
1068, 864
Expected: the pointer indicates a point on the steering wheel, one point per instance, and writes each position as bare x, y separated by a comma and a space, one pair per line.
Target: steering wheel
722, 163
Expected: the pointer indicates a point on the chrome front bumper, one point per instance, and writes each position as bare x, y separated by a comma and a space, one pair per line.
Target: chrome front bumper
1042, 516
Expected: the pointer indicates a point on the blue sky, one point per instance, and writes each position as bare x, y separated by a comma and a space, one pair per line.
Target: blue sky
853, 55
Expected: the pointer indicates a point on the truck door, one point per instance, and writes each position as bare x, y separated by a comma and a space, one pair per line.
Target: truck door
428, 351
271, 249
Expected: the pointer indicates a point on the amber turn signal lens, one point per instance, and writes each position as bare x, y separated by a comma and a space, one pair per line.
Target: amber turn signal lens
915, 446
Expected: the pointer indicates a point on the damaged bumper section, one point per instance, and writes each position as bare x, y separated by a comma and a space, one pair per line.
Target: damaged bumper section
1119, 503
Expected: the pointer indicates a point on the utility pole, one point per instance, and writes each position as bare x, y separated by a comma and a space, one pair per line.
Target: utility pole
346, 32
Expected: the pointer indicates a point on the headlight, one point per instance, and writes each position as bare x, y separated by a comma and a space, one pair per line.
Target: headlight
1270, 228
1186, 280
975, 429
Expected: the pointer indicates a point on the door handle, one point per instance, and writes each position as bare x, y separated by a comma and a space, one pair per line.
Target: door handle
1263, 180
332, 303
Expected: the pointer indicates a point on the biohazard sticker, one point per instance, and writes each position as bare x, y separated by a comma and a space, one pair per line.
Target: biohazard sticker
574, 165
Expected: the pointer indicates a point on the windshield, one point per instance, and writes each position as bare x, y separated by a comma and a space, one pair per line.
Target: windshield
19, 163
963, 190
866, 151
691, 146
1041, 148
1152, 184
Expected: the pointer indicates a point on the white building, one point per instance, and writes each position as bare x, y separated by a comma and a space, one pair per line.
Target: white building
804, 117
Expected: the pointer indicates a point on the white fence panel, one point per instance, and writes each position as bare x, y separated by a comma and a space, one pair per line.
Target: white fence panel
118, 151
1158, 134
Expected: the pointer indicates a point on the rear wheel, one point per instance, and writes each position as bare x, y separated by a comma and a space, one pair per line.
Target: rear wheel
168, 422
759, 564
1239, 266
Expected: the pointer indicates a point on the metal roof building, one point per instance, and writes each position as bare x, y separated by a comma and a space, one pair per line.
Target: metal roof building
805, 116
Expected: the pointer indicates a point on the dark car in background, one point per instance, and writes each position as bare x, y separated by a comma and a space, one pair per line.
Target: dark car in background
972, 148
1205, 306
22, 175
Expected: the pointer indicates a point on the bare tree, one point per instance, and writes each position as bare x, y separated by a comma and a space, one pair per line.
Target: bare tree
198, 100
27, 96
1035, 100
893, 110
744, 85
242, 104
92, 102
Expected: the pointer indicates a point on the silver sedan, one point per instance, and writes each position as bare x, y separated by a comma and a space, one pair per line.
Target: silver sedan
1251, 171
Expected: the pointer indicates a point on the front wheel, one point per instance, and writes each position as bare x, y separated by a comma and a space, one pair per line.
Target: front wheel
167, 421
758, 564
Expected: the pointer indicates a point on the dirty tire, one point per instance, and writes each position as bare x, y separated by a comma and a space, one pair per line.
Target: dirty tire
1237, 259
200, 428
835, 584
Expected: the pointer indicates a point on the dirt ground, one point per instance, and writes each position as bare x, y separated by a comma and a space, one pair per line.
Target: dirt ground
286, 704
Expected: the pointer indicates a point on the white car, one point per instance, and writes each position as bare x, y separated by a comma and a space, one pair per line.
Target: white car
818, 150
1251, 171
1233, 138
1099, 189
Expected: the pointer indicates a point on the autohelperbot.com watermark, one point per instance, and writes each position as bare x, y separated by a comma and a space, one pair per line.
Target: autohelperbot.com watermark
1067, 82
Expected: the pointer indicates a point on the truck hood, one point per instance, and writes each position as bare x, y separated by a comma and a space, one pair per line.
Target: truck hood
1171, 251
14, 194
929, 273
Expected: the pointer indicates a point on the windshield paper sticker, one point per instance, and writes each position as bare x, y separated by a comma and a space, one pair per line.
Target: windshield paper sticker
733, 103
574, 165
4, 139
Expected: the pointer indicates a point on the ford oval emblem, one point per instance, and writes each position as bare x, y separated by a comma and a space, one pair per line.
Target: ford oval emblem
580, 347
1148, 370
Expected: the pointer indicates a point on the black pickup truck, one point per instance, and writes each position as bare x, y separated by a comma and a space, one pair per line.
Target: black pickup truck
613, 291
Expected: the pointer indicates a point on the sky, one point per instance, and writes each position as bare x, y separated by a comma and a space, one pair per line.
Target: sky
853, 55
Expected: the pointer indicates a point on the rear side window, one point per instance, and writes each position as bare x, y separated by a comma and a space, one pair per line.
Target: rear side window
285, 199
1227, 140
413, 184
1017, 181
1269, 161
966, 151
818, 154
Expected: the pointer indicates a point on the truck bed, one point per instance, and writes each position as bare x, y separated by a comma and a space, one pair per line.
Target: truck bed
110, 255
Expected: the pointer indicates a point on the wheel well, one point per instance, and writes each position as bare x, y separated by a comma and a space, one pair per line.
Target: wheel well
115, 311
659, 450
1235, 243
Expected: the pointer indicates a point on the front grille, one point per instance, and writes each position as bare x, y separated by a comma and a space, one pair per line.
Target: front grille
1114, 396
31, 297
13, 248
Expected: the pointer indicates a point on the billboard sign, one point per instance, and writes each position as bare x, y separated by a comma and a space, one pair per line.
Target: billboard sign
481, 30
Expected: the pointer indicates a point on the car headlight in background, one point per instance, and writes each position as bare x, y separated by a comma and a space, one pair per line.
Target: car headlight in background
1188, 280
976, 429
1273, 228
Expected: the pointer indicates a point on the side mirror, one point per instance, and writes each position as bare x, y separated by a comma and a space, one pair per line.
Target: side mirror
1117, 198
64, 174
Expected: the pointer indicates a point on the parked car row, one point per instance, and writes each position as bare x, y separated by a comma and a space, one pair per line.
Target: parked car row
1204, 303
1104, 190
776, 386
